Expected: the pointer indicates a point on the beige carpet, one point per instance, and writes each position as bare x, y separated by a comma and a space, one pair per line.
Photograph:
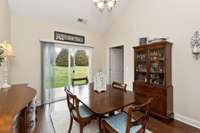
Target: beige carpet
61, 121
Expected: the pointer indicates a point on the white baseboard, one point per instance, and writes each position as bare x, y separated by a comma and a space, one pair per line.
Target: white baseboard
187, 120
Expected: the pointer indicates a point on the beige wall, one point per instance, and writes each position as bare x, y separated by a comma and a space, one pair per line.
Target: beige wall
25, 35
176, 19
4, 20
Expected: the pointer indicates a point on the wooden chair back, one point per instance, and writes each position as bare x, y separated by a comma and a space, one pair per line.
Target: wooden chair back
74, 80
73, 105
142, 120
120, 86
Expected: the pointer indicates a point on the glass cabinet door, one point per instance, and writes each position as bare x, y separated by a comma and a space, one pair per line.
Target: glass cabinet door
157, 64
141, 65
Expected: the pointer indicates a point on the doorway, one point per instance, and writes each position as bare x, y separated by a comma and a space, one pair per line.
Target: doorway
116, 64
61, 63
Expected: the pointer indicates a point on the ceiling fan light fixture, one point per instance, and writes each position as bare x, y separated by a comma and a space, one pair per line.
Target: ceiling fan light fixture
100, 4
110, 4
95, 1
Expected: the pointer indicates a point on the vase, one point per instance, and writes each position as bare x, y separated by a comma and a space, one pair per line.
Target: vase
100, 82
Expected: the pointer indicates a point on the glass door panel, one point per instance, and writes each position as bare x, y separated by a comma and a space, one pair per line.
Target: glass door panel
61, 72
61, 68
80, 65
141, 65
157, 60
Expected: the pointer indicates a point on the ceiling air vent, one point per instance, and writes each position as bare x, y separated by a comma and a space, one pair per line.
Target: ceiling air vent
81, 20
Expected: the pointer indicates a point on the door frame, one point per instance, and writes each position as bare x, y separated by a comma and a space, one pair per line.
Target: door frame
108, 61
44, 42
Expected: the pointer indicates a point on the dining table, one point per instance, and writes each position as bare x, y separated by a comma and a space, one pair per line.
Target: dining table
105, 102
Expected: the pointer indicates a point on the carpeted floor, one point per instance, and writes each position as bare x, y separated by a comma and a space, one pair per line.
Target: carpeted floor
61, 121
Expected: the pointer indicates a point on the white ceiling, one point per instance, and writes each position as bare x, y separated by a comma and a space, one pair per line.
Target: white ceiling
68, 11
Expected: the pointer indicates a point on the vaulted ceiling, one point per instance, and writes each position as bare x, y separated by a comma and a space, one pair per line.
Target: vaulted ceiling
68, 11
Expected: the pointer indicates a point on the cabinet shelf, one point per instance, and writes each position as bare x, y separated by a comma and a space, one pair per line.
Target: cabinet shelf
141, 72
156, 61
157, 86
157, 73
142, 62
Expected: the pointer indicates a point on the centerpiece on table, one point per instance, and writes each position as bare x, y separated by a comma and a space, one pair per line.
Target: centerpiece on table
100, 81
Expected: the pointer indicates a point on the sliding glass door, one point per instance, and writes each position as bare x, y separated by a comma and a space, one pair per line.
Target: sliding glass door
61, 63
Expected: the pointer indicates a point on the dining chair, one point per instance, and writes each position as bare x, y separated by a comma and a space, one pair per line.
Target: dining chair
80, 113
125, 123
118, 85
74, 80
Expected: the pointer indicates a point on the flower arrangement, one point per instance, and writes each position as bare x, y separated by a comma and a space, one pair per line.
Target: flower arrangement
2, 57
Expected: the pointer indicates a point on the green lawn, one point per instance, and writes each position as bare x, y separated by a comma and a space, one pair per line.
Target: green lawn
61, 75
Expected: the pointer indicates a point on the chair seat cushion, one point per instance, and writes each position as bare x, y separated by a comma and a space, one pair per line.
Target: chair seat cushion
119, 123
84, 111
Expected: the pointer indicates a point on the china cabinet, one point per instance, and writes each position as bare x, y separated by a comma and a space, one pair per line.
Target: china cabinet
153, 77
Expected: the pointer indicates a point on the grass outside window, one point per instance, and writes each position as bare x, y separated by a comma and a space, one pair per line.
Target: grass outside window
61, 78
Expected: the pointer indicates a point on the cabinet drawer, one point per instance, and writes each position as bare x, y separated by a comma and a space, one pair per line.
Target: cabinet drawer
150, 90
159, 105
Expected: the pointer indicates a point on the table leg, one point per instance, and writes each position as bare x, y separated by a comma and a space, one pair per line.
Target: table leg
100, 129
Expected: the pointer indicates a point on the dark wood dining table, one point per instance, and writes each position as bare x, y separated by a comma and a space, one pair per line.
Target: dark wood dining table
105, 102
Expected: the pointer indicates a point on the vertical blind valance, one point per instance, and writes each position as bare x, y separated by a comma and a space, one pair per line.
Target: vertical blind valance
68, 44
